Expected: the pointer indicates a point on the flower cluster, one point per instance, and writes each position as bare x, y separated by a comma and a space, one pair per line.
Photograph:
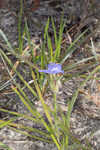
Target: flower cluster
54, 82
53, 69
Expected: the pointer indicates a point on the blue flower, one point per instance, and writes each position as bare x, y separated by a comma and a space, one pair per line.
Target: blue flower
53, 69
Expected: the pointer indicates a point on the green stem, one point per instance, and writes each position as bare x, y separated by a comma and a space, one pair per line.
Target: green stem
55, 102
55, 106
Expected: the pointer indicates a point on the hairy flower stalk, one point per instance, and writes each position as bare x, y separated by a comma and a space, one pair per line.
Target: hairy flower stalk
54, 81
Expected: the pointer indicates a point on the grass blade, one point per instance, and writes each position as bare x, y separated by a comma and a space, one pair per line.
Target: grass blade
19, 28
70, 48
19, 75
24, 102
50, 48
30, 135
4, 146
6, 40
5, 123
21, 115
54, 30
58, 47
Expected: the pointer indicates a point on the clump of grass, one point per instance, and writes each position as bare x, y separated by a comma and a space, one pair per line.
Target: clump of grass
58, 128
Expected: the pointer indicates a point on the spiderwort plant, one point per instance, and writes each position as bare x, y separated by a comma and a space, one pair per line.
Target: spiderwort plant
58, 129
